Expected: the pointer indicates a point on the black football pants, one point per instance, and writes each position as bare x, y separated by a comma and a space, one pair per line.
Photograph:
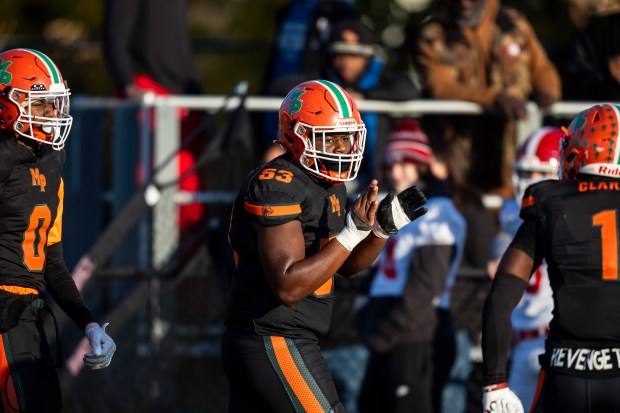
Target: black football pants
561, 393
273, 374
28, 379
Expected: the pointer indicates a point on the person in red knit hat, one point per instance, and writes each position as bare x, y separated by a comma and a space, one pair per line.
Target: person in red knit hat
406, 322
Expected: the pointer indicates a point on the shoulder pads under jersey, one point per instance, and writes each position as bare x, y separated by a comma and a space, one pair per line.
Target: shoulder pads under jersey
276, 193
535, 199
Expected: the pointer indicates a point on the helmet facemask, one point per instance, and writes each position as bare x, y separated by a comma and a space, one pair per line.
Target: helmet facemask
523, 177
537, 159
43, 115
340, 167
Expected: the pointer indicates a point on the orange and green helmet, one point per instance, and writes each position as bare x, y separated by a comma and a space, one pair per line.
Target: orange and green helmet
311, 111
590, 145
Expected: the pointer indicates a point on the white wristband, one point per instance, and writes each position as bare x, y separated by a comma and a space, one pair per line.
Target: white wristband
350, 235
399, 218
398, 214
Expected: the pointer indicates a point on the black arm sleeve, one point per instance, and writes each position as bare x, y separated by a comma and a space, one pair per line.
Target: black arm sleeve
63, 289
506, 291
527, 240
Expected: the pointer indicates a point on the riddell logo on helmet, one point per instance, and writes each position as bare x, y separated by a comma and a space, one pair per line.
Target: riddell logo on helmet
346, 122
606, 170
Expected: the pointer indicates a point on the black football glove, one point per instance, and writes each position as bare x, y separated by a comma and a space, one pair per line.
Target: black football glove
396, 211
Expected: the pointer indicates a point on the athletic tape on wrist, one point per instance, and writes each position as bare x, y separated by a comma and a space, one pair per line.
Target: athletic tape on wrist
398, 214
350, 235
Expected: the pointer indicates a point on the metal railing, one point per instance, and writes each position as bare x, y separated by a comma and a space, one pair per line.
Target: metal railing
163, 237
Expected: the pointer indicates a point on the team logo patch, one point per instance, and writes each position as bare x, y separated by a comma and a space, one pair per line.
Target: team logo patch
335, 202
5, 75
38, 179
292, 103
267, 211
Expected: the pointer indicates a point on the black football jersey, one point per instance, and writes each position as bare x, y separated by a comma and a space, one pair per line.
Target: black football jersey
30, 196
274, 194
573, 225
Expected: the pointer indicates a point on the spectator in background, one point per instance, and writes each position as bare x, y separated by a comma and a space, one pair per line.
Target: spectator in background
354, 64
481, 52
302, 38
300, 46
147, 49
471, 285
406, 322
596, 64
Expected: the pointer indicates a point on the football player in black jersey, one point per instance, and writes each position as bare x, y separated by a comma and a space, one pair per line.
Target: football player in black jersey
34, 124
290, 234
571, 223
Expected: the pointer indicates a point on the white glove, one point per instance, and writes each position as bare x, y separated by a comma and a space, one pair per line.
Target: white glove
498, 398
396, 211
353, 233
102, 345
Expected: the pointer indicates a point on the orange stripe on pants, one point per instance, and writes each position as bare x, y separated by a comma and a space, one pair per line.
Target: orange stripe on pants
541, 379
293, 376
9, 397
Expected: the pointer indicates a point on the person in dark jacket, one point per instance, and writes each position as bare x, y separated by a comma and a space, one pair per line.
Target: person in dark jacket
482, 52
595, 67
147, 49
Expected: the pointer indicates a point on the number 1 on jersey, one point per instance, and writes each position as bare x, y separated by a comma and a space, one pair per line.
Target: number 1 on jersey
609, 242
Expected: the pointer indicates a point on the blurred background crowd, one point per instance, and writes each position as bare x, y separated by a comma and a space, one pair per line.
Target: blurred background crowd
500, 55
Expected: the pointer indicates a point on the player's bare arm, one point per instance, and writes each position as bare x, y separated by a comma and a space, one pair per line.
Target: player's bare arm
293, 276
